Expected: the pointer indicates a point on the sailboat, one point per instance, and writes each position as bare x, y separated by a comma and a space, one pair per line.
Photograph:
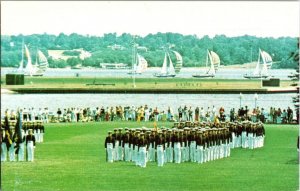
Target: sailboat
166, 71
37, 69
267, 59
140, 65
214, 61
261, 72
179, 62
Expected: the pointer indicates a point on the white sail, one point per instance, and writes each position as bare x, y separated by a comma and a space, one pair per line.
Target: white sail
142, 64
215, 59
21, 66
257, 68
138, 67
212, 66
267, 58
178, 57
42, 61
171, 69
264, 70
29, 69
179, 62
164, 66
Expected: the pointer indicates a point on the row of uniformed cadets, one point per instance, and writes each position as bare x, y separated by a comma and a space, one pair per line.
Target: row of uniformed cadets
37, 127
167, 145
244, 134
14, 145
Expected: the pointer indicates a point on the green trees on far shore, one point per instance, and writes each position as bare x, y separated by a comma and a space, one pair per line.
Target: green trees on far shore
232, 50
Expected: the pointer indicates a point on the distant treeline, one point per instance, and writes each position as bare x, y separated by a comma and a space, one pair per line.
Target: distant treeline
232, 50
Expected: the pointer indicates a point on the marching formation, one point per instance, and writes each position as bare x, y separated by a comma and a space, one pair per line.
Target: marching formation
18, 139
185, 142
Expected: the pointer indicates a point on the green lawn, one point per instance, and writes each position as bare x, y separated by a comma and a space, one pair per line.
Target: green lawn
72, 157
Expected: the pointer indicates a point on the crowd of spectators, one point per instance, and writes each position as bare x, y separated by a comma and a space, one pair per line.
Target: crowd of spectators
146, 113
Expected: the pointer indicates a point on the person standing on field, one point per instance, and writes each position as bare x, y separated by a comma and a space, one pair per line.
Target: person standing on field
109, 147
30, 143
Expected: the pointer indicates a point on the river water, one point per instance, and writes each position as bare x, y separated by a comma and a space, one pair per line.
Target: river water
162, 101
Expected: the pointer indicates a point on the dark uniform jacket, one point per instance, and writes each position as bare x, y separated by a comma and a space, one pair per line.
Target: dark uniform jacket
30, 138
109, 139
126, 139
176, 138
159, 141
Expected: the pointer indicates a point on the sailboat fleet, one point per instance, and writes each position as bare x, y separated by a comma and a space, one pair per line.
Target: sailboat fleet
140, 65
36, 69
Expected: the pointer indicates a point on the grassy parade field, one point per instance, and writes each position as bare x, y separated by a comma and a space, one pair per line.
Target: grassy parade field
176, 85
72, 157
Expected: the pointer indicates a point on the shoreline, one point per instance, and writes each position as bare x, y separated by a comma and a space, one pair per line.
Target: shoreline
143, 86
144, 91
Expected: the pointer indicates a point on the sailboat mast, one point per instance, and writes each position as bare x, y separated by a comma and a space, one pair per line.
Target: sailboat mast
22, 52
207, 58
22, 59
36, 57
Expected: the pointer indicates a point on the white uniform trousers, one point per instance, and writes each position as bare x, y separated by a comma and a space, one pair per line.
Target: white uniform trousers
233, 143
228, 151
41, 137
262, 142
21, 153
160, 155
177, 152
116, 149
134, 153
250, 141
169, 151
130, 152
212, 151
183, 152
223, 150
187, 153
151, 155
205, 152
244, 139
3, 152
11, 152
142, 157
208, 153
120, 153
217, 151
109, 152
38, 135
239, 141
137, 157
259, 141
165, 153
200, 154
30, 151
193, 151
126, 152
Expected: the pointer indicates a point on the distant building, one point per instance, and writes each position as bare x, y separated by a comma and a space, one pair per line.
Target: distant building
114, 65
116, 47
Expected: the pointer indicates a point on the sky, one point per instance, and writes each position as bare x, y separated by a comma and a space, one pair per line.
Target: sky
232, 18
